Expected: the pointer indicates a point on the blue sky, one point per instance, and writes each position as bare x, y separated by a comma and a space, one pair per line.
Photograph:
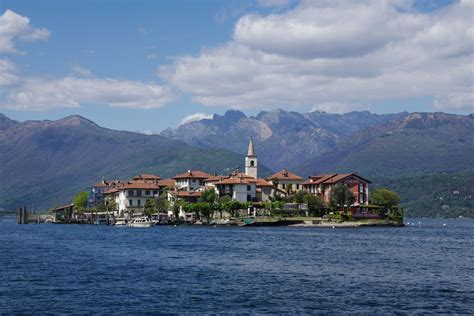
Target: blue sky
148, 65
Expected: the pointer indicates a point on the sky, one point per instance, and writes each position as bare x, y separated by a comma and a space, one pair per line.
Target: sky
149, 65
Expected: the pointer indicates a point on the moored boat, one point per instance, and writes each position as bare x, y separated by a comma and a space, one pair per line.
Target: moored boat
140, 222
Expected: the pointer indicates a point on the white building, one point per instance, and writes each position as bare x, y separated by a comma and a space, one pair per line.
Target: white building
191, 180
238, 188
286, 181
251, 161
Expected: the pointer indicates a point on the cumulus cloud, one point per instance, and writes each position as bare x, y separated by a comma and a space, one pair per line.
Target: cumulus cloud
14, 26
8, 72
43, 94
195, 117
336, 53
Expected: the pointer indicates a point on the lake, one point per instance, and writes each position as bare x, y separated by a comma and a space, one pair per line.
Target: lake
425, 268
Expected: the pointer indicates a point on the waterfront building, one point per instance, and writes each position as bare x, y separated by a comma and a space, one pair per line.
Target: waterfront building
96, 194
191, 180
286, 181
238, 188
321, 185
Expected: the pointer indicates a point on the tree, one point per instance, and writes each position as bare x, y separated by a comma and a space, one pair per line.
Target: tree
315, 204
208, 196
162, 203
80, 200
222, 204
385, 198
341, 196
150, 207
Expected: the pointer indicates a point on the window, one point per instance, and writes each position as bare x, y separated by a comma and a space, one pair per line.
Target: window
130, 202
252, 163
361, 198
139, 192
248, 188
297, 187
130, 192
155, 192
147, 192
138, 202
249, 198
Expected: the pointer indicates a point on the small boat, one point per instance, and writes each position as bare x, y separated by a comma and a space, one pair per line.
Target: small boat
140, 222
120, 222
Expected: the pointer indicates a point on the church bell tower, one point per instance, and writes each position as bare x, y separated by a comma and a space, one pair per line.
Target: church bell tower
251, 161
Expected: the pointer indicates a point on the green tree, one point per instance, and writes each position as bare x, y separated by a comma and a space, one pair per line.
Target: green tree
80, 199
162, 203
341, 196
385, 198
222, 204
150, 207
208, 196
315, 204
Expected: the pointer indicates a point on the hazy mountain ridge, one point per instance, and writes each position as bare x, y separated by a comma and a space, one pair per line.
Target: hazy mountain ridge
46, 162
282, 138
420, 143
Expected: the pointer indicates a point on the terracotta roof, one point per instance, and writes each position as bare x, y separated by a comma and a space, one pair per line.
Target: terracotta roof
332, 178
233, 180
192, 174
261, 183
147, 176
215, 179
110, 191
166, 183
284, 175
140, 185
106, 183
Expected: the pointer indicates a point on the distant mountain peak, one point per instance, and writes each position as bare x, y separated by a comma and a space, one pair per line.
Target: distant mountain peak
6, 122
74, 120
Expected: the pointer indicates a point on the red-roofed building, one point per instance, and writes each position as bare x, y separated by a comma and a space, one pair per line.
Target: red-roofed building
191, 180
321, 185
147, 177
238, 188
286, 181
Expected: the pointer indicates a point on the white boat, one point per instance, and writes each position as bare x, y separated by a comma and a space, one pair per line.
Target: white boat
120, 222
140, 222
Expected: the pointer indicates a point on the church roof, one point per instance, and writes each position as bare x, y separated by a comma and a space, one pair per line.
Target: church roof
251, 150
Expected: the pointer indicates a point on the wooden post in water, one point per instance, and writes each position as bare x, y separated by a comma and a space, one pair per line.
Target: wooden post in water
20, 215
25, 216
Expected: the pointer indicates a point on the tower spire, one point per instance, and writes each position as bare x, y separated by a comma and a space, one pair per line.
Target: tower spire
251, 150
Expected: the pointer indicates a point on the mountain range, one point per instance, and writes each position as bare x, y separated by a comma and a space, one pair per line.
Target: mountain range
46, 162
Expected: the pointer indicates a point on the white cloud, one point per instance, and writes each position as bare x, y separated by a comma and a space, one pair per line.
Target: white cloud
81, 71
273, 3
195, 117
14, 26
8, 72
43, 94
336, 53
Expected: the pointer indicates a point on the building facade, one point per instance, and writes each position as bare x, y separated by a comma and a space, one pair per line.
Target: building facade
321, 185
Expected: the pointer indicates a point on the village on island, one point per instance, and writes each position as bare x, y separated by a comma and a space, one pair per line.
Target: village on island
240, 198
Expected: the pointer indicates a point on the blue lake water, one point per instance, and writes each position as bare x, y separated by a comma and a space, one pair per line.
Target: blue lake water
426, 268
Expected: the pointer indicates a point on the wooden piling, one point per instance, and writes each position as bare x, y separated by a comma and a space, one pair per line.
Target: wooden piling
25, 216
20, 215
